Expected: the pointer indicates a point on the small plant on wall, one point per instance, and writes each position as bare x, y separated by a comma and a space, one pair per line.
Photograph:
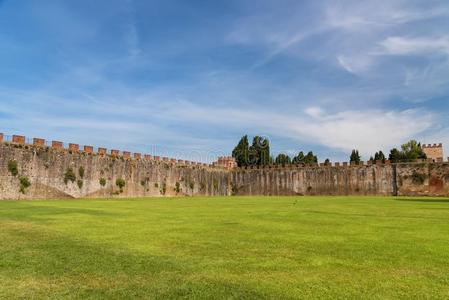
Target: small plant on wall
102, 181
24, 184
163, 189
81, 172
80, 183
120, 182
69, 176
177, 188
13, 168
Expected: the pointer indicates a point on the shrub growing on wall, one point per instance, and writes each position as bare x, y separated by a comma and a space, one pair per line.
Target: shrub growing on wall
418, 178
102, 181
24, 184
163, 188
120, 182
12, 167
177, 187
81, 172
80, 183
69, 176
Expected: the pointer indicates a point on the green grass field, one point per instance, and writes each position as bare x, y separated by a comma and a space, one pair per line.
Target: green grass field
222, 248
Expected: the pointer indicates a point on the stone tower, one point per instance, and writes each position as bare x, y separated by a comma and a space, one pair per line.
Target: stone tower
434, 152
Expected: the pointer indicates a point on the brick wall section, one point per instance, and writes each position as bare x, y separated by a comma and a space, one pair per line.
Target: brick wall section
74, 147
18, 139
102, 151
38, 142
57, 145
88, 149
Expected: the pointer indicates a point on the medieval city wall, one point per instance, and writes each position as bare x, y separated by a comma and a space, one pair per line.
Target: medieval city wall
46, 169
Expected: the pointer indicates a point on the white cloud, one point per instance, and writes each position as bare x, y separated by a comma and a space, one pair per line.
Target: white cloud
314, 111
367, 131
397, 45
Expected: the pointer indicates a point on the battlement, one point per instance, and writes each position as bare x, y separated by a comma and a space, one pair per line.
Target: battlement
440, 145
75, 148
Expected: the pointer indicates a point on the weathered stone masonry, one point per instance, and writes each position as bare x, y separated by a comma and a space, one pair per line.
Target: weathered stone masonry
46, 169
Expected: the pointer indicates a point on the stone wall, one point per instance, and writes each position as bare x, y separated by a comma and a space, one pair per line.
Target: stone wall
46, 168
318, 180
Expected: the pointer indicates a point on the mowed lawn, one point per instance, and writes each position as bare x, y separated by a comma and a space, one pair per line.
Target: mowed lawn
225, 248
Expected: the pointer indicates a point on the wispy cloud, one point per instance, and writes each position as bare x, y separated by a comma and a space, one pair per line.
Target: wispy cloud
397, 45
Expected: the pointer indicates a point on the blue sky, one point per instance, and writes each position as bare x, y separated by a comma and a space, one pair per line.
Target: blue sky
189, 78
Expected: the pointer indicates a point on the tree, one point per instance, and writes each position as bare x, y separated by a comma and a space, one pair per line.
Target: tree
298, 159
378, 156
355, 156
259, 152
409, 151
283, 159
413, 150
241, 152
396, 155
327, 162
310, 158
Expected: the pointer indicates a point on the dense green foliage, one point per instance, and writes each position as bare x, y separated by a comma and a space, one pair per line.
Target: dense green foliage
163, 188
24, 184
13, 168
409, 151
81, 172
283, 159
69, 176
177, 187
102, 181
310, 158
258, 154
241, 152
120, 182
225, 248
355, 156
378, 156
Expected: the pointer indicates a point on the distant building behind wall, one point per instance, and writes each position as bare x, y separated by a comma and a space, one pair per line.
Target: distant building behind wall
434, 152
226, 162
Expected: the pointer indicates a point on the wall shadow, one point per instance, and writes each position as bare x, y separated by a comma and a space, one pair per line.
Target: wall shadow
442, 200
